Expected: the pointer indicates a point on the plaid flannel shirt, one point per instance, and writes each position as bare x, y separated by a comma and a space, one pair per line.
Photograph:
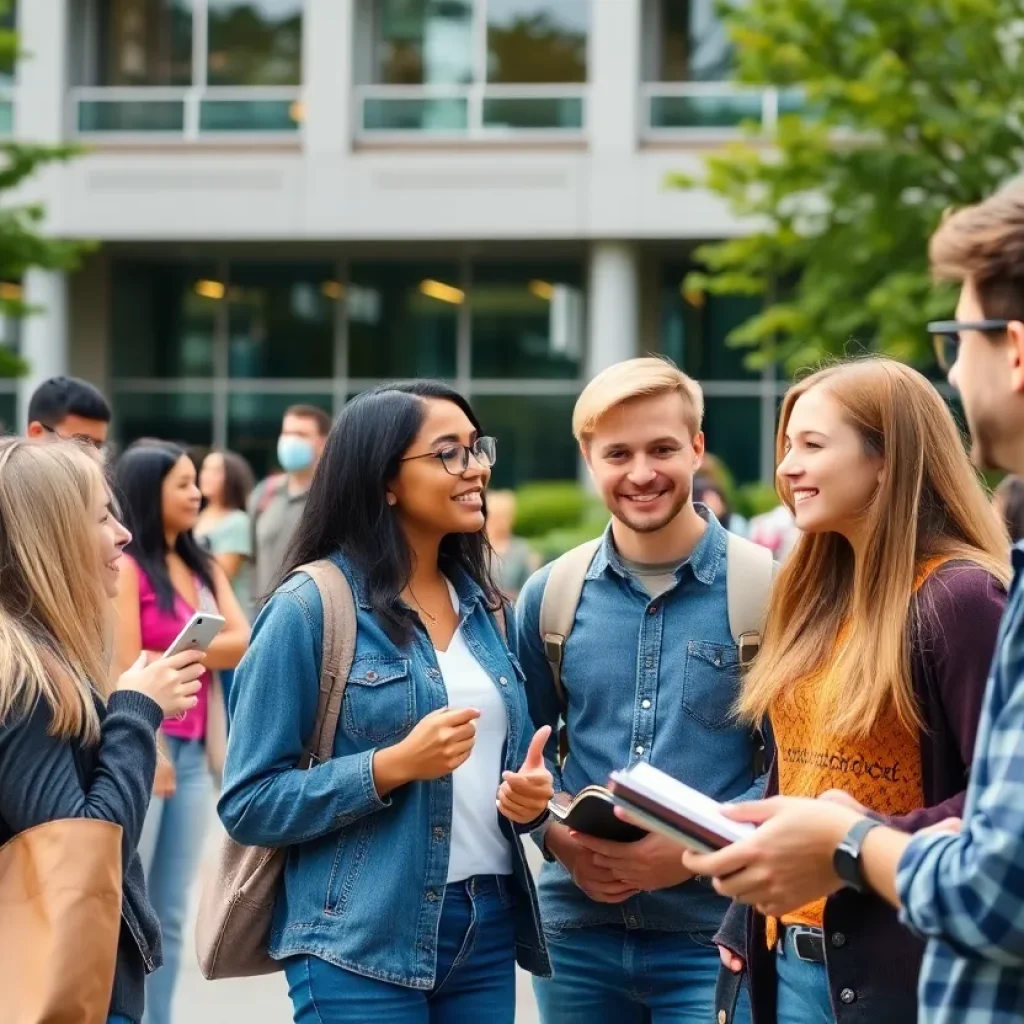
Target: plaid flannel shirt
965, 893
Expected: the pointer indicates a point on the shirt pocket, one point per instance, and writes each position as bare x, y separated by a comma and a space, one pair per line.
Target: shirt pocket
711, 683
380, 699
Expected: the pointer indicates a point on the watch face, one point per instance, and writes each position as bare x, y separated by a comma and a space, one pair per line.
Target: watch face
846, 866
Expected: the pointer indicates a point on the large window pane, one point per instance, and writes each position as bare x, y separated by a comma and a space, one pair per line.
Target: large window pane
694, 331
526, 320
255, 42
254, 425
282, 319
248, 116
732, 430
423, 42
163, 318
429, 113
131, 116
8, 413
139, 42
402, 319
534, 435
185, 418
726, 109
534, 112
695, 46
537, 40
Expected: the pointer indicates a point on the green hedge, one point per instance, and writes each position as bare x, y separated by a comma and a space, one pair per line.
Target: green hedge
542, 508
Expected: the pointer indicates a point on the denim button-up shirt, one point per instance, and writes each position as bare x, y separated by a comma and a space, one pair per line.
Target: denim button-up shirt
646, 680
365, 877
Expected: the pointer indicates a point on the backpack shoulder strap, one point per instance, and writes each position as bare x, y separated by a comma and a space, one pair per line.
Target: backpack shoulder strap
559, 603
338, 652
749, 571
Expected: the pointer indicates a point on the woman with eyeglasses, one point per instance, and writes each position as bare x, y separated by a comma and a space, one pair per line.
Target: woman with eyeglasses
407, 895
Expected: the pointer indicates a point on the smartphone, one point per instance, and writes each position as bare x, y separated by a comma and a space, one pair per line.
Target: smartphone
198, 634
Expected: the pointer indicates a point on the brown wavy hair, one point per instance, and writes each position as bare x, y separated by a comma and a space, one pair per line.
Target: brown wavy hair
929, 504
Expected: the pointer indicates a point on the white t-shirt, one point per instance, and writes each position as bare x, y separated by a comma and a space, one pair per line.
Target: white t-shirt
477, 845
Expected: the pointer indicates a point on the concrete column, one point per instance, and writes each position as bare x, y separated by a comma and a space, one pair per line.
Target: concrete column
44, 336
614, 59
613, 311
328, 49
42, 75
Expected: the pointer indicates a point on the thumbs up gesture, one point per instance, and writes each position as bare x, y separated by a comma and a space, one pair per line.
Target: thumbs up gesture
523, 795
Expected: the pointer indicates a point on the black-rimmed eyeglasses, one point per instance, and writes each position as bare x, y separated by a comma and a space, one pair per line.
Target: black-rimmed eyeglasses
455, 457
83, 439
946, 337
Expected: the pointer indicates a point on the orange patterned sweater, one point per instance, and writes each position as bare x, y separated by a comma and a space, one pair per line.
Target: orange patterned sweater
881, 771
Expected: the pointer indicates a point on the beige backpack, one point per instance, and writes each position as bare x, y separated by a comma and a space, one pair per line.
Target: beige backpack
749, 571
238, 898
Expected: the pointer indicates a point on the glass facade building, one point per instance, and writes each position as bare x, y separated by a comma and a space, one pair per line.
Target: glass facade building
296, 200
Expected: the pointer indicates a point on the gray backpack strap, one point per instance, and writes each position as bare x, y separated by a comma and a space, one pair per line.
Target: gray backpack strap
337, 653
558, 606
750, 570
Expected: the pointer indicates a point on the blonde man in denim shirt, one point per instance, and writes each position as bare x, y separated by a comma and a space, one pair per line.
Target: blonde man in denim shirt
650, 673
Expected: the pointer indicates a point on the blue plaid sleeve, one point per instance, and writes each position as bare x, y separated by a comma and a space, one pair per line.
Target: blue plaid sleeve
968, 890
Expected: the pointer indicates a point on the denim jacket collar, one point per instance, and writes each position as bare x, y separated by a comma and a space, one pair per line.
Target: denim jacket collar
470, 593
703, 562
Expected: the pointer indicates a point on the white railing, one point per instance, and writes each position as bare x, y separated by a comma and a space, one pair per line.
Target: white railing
710, 109
479, 111
184, 114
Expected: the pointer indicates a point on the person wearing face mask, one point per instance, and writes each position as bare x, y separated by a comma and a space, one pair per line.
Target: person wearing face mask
276, 505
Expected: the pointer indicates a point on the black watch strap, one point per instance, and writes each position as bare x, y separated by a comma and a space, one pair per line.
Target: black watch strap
846, 860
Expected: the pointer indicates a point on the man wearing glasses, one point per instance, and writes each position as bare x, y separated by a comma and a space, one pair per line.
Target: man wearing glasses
960, 885
70, 409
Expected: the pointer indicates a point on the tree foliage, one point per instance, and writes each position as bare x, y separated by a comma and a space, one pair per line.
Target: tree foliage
23, 242
912, 107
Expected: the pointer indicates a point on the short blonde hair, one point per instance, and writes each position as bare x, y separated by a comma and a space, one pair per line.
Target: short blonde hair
636, 378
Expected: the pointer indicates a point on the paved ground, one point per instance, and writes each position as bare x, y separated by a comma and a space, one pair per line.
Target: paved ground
265, 1000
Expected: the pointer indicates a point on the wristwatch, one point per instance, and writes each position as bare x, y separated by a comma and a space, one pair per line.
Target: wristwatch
846, 859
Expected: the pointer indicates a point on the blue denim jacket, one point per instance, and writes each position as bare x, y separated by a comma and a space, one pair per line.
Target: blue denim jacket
365, 877
646, 680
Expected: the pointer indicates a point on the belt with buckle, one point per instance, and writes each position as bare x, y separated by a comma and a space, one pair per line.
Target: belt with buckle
808, 943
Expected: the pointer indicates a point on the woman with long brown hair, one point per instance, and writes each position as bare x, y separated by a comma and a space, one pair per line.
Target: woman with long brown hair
872, 672
70, 745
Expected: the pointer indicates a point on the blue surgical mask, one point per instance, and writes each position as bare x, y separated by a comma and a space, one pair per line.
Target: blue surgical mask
295, 454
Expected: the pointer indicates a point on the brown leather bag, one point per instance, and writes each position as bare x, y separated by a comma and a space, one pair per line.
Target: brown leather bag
60, 919
237, 903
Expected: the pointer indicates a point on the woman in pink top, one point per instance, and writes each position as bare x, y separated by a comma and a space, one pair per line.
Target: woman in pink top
166, 577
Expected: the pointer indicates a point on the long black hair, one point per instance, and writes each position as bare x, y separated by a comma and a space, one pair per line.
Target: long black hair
139, 479
347, 510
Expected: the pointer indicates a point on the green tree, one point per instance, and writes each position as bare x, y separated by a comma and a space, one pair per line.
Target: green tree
23, 243
912, 107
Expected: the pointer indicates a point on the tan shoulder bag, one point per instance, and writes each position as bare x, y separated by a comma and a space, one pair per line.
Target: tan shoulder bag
238, 897
60, 920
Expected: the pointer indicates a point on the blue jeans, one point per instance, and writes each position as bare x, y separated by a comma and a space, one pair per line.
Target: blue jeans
475, 981
117, 1018
609, 975
171, 848
803, 993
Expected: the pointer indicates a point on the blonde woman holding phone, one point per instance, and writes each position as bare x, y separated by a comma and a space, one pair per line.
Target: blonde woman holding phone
70, 745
